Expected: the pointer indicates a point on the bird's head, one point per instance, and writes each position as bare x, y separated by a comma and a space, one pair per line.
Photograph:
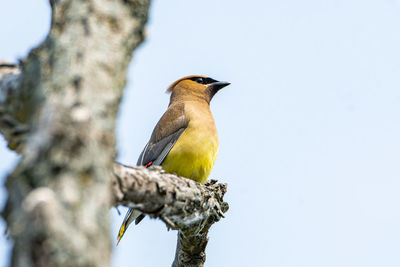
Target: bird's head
195, 86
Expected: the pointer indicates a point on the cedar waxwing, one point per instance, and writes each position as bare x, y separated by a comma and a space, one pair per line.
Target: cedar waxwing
185, 139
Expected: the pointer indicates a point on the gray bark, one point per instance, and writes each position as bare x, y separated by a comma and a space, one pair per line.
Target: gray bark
181, 203
13, 129
58, 110
71, 85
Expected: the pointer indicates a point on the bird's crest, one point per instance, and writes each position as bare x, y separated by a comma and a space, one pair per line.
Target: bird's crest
172, 86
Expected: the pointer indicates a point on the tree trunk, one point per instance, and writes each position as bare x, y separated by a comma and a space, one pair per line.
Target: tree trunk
59, 194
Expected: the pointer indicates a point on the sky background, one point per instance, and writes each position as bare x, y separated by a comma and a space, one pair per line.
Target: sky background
309, 128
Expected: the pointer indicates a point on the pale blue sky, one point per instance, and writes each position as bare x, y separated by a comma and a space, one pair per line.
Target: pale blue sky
309, 128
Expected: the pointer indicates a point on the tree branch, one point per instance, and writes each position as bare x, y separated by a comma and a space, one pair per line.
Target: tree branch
180, 203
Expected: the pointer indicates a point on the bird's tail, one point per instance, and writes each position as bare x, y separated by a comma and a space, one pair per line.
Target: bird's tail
130, 216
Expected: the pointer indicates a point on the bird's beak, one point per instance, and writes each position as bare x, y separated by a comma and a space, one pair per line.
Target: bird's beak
219, 85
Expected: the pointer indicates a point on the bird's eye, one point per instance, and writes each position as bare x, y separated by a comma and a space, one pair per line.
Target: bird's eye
199, 80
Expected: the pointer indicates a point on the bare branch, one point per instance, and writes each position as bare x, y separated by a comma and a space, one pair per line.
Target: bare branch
178, 201
181, 203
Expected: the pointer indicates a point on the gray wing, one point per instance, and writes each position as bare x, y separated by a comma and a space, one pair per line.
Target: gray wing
155, 153
171, 125
152, 154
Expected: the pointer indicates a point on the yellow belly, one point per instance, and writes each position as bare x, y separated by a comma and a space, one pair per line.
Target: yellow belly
193, 155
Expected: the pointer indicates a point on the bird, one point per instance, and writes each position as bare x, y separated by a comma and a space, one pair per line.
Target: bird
185, 140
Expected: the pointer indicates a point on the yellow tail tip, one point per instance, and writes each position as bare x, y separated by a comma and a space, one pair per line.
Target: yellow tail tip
121, 233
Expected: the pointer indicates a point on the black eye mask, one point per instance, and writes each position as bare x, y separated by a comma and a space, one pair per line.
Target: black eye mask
203, 80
